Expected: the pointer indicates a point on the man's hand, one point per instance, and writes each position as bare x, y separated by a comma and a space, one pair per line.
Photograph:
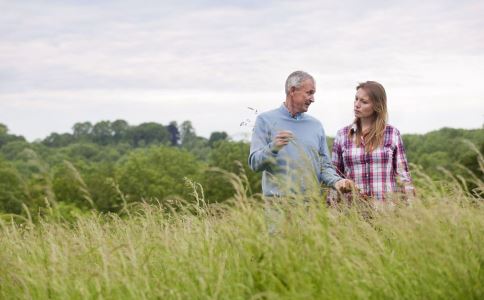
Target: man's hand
344, 185
282, 139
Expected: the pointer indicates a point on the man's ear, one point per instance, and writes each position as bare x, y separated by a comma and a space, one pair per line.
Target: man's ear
292, 90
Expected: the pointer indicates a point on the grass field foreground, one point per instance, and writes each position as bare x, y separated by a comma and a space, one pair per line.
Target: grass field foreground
431, 248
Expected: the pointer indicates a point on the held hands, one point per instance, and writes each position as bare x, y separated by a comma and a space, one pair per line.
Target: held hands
344, 185
281, 139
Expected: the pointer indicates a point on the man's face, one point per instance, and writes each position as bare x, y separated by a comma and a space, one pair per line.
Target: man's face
303, 96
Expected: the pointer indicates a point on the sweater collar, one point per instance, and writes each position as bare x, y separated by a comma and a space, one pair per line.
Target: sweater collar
284, 110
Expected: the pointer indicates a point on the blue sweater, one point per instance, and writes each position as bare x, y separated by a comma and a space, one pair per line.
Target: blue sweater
298, 167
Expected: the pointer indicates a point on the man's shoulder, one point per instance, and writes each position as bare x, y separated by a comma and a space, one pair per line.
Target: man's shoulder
269, 114
311, 118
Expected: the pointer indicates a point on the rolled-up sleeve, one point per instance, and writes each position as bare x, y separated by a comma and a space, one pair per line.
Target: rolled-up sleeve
400, 164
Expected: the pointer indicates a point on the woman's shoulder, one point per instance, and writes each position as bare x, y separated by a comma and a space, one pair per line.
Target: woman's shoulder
390, 129
345, 130
342, 135
392, 136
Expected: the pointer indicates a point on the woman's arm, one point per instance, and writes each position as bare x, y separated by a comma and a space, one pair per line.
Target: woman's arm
400, 165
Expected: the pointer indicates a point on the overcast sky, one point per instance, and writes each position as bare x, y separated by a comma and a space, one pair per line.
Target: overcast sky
63, 62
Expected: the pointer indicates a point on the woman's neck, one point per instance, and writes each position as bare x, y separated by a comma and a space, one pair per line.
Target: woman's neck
366, 124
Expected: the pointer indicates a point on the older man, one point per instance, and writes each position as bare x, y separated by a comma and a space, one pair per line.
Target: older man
289, 146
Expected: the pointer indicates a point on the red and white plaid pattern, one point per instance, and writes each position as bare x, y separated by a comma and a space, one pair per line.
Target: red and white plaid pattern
382, 171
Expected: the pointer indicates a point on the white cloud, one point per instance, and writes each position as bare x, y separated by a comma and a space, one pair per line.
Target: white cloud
189, 60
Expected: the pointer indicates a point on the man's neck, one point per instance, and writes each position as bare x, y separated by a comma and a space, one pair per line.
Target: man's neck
290, 109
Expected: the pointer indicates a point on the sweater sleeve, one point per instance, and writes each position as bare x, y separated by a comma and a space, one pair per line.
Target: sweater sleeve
337, 160
337, 155
328, 174
261, 154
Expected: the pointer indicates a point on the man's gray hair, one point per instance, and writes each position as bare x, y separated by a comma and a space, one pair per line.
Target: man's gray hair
295, 79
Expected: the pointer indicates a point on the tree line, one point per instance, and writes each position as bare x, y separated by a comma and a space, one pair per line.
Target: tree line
108, 165
119, 132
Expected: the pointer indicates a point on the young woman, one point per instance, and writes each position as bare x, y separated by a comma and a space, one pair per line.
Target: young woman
370, 152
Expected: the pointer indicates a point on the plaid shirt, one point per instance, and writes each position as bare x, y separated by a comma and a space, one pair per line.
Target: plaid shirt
384, 170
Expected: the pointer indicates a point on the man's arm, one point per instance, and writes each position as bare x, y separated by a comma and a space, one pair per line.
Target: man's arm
262, 152
337, 155
328, 174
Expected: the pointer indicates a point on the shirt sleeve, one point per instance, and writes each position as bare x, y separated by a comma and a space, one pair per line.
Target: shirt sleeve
400, 164
261, 155
328, 174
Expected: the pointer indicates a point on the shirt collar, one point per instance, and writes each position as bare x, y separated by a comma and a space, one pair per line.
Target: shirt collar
354, 128
284, 109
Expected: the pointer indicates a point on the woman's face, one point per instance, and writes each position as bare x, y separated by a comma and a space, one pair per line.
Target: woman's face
363, 105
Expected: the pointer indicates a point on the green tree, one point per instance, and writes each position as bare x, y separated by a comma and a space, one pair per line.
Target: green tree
82, 131
120, 130
156, 172
228, 156
3, 129
187, 134
148, 134
102, 133
13, 191
217, 136
58, 140
174, 133
87, 185
197, 145
12, 150
82, 151
6, 138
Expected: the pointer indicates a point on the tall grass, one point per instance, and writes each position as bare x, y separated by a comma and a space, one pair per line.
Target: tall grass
430, 248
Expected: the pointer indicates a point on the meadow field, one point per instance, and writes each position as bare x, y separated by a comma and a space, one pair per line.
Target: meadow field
429, 248
141, 213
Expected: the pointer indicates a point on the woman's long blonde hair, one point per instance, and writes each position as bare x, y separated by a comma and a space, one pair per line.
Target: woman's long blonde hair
374, 137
